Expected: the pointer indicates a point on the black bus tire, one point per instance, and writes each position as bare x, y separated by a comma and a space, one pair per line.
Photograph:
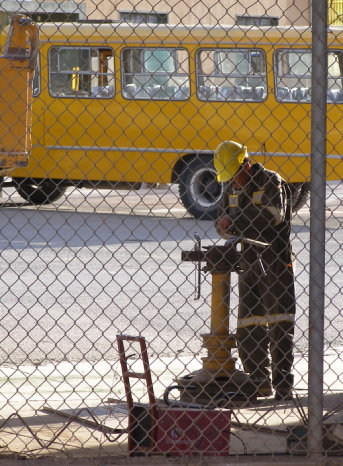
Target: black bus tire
39, 193
199, 190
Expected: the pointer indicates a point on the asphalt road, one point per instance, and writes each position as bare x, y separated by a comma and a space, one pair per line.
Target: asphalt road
98, 263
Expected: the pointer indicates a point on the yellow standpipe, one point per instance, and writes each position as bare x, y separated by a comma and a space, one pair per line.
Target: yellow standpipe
218, 378
219, 342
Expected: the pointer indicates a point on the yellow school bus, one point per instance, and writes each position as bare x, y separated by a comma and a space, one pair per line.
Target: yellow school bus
117, 105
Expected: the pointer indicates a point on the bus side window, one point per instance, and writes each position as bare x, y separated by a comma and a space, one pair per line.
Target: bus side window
155, 73
81, 72
335, 76
231, 75
293, 75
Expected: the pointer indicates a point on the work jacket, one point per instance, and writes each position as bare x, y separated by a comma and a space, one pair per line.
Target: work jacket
261, 211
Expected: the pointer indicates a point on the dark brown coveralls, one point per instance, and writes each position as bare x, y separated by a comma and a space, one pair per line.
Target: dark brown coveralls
262, 211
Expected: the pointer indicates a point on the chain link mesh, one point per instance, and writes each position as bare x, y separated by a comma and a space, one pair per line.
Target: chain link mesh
130, 322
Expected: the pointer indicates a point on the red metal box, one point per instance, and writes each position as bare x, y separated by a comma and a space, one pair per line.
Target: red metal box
180, 431
193, 432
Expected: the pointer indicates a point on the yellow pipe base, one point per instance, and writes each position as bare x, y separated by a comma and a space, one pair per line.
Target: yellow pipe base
219, 359
219, 342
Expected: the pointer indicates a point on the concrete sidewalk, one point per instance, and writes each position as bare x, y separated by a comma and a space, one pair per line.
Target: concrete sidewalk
85, 389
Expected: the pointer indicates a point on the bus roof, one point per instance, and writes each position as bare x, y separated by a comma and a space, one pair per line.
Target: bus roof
114, 32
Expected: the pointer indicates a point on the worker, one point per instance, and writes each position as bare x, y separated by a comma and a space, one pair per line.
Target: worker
256, 204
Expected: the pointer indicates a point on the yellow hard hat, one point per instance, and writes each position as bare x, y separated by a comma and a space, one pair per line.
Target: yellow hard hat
228, 157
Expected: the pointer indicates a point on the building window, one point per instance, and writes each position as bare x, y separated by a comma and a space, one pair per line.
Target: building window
54, 17
257, 20
140, 17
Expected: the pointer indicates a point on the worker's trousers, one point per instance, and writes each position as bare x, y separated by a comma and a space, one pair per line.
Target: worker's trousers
266, 321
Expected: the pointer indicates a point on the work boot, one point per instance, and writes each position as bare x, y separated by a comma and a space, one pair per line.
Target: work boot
263, 387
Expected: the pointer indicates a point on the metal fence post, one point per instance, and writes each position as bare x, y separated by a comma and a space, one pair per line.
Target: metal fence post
317, 226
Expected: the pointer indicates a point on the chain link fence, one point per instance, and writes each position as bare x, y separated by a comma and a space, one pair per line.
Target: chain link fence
164, 293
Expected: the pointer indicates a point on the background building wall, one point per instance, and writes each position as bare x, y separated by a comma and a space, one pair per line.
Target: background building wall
205, 12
